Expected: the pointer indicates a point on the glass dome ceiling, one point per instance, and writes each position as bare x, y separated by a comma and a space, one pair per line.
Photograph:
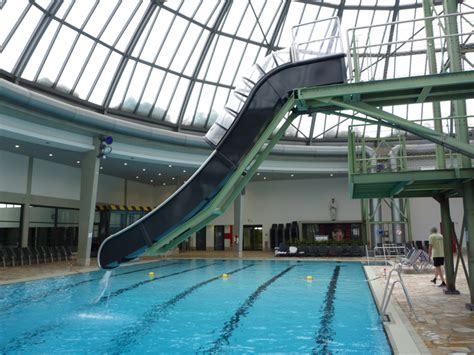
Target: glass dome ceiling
172, 62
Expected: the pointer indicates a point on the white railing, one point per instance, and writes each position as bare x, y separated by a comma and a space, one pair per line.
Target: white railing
399, 49
316, 39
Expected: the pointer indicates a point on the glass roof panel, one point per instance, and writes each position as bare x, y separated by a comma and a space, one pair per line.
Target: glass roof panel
179, 61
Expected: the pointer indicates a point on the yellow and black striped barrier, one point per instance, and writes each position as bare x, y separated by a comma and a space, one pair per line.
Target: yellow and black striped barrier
113, 207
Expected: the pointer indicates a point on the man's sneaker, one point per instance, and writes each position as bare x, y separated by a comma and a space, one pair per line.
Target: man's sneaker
433, 281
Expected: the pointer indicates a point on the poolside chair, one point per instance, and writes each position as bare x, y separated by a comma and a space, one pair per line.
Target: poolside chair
34, 254
41, 254
345, 250
282, 250
408, 254
356, 250
3, 258
413, 260
323, 250
26, 255
419, 244
334, 250
313, 250
303, 250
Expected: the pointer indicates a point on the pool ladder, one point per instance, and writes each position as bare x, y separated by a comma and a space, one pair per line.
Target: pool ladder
387, 296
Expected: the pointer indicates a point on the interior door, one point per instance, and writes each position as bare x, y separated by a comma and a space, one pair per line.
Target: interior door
218, 237
201, 239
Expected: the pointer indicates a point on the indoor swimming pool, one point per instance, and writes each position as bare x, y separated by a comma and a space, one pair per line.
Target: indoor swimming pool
188, 306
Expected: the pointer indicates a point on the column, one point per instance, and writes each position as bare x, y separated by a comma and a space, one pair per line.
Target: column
238, 224
89, 179
448, 246
25, 215
468, 202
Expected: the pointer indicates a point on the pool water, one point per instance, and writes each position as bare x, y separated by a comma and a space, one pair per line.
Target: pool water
263, 306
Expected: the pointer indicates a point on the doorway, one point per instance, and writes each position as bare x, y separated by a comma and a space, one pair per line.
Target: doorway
219, 238
201, 239
253, 237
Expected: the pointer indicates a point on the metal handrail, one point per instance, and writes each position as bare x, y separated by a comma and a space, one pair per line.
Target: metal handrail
387, 296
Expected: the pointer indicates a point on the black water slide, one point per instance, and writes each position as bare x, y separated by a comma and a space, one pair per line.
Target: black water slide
232, 137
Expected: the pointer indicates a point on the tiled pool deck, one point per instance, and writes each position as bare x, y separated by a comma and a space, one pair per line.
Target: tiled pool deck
444, 324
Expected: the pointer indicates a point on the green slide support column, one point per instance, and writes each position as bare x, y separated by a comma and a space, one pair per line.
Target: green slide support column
468, 201
462, 133
431, 54
448, 246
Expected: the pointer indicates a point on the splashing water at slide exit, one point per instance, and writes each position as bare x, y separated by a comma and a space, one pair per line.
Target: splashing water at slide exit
104, 284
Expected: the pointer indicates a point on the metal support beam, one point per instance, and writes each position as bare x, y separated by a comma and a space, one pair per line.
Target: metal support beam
431, 54
403, 124
448, 245
239, 225
35, 38
220, 18
468, 202
128, 52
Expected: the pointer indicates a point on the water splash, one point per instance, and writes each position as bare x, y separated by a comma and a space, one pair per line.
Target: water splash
104, 284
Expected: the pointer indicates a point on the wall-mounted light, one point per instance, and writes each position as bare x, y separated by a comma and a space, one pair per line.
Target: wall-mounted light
105, 148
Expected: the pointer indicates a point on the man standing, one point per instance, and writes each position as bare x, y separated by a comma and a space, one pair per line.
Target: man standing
436, 251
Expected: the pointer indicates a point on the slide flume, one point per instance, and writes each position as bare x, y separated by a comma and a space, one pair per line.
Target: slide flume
260, 97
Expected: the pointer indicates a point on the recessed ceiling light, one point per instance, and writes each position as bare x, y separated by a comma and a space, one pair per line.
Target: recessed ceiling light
184, 171
137, 177
143, 169
292, 175
258, 174
17, 146
159, 174
78, 162
151, 180
125, 164
170, 166
264, 178
50, 154
331, 174
164, 183
172, 178
101, 167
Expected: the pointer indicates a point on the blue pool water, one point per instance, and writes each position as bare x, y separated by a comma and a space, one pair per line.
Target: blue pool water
263, 306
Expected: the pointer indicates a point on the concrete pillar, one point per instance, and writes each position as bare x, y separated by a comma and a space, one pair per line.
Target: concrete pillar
90, 164
238, 224
25, 215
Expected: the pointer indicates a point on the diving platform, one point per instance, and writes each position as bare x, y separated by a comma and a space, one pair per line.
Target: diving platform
404, 184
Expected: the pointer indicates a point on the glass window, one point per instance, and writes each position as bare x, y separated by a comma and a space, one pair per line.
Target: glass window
10, 218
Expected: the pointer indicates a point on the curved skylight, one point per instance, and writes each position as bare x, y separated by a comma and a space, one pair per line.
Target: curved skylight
176, 62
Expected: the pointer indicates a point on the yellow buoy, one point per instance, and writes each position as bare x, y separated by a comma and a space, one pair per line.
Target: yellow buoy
225, 276
151, 273
309, 278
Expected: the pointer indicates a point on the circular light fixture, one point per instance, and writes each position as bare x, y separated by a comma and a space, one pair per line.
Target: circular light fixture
143, 169
264, 178
159, 174
172, 178
151, 180
184, 171
258, 174
78, 162
17, 146
101, 167
125, 164
164, 184
170, 166
331, 174
137, 177
50, 154
292, 175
